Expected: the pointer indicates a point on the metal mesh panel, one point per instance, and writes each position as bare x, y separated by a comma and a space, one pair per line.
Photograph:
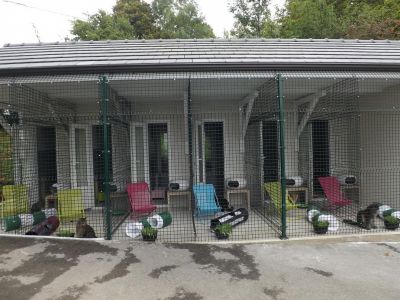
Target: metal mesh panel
330, 133
50, 125
177, 150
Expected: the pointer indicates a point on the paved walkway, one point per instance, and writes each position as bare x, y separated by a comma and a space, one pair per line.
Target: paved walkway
316, 269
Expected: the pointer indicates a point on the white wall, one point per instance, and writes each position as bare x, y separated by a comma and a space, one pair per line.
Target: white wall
173, 114
380, 148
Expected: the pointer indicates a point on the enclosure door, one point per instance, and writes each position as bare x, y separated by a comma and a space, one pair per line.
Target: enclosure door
270, 151
210, 154
139, 153
320, 153
46, 159
82, 162
158, 154
98, 161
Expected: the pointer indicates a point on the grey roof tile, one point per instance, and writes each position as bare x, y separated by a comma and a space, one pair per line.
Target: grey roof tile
191, 52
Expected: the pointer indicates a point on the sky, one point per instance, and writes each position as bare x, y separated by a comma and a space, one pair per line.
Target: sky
50, 20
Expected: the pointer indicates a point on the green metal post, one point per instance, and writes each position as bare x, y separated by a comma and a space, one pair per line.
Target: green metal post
190, 138
282, 154
104, 122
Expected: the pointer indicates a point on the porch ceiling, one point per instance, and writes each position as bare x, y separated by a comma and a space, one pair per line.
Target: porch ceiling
202, 89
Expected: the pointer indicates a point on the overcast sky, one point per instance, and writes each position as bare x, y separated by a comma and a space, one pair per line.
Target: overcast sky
50, 20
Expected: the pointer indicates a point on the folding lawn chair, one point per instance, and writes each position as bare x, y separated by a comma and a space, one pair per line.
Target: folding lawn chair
15, 200
70, 205
140, 198
335, 196
206, 199
275, 193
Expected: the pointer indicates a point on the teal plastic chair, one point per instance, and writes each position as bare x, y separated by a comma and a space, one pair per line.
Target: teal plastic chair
206, 199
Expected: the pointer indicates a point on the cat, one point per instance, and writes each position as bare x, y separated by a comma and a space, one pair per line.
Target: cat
84, 230
366, 217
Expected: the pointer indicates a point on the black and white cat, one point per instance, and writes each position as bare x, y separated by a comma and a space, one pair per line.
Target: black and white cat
84, 230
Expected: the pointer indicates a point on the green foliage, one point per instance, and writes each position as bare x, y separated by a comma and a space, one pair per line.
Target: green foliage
392, 220
139, 15
136, 19
308, 18
149, 232
180, 19
365, 20
321, 224
224, 229
252, 18
102, 26
362, 19
66, 233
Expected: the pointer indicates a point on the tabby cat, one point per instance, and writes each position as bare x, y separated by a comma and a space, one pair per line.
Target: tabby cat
84, 230
366, 217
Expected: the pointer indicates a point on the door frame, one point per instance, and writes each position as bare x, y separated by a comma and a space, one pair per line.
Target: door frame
134, 175
145, 126
201, 122
88, 189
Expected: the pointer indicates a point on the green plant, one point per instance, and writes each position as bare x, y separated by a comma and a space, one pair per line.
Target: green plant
392, 220
66, 233
149, 232
224, 229
321, 224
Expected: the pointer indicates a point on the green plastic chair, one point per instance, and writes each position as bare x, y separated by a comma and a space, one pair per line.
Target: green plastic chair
274, 191
15, 200
70, 205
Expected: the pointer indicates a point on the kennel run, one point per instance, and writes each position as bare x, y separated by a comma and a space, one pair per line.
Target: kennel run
184, 131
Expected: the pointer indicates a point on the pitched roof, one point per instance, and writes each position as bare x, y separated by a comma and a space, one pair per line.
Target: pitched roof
214, 54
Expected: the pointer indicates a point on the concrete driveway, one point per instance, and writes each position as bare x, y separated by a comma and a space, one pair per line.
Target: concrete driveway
309, 269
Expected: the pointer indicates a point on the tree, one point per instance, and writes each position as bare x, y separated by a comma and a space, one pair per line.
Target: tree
372, 20
180, 19
102, 26
136, 19
308, 19
252, 18
139, 15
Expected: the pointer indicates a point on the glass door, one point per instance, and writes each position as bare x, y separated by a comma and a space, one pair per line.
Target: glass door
139, 152
200, 165
81, 162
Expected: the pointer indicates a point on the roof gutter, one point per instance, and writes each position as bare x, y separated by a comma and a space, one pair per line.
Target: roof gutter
153, 68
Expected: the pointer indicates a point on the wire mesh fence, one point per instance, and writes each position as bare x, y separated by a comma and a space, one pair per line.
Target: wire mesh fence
199, 156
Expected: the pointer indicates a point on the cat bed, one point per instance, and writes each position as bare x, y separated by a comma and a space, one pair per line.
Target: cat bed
315, 213
47, 227
235, 183
160, 220
294, 181
179, 185
347, 179
233, 218
23, 220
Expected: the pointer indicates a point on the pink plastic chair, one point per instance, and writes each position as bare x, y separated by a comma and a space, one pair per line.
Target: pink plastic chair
331, 187
139, 196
